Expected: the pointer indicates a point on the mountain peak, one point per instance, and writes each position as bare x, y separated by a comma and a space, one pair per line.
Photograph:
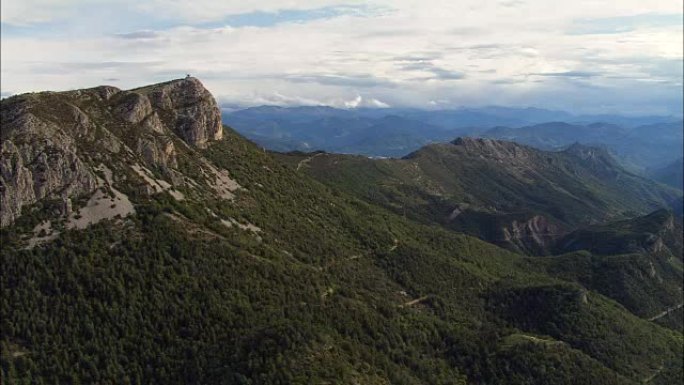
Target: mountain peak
587, 152
53, 142
490, 147
187, 107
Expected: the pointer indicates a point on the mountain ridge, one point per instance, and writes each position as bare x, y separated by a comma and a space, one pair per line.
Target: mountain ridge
489, 180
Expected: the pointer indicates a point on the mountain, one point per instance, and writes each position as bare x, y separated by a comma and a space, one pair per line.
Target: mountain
396, 132
629, 260
554, 135
671, 174
642, 147
656, 232
328, 129
512, 195
145, 243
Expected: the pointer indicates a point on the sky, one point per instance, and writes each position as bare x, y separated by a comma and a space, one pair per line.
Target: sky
584, 56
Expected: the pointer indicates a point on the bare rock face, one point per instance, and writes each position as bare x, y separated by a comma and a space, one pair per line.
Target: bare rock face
157, 152
134, 107
52, 142
188, 109
38, 161
535, 234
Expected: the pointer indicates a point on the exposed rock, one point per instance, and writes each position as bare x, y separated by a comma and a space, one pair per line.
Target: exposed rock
154, 124
42, 233
134, 107
106, 92
537, 233
230, 222
38, 161
50, 141
188, 109
82, 126
101, 206
220, 181
157, 151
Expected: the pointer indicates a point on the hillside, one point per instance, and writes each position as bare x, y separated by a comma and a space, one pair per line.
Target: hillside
671, 174
509, 194
144, 243
642, 147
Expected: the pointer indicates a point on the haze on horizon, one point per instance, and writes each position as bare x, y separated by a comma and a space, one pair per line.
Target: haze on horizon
584, 57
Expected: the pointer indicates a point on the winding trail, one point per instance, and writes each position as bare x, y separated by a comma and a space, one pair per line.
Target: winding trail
307, 160
415, 301
666, 312
654, 375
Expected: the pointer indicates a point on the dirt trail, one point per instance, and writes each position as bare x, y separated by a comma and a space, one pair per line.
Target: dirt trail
654, 375
307, 160
666, 312
415, 301
394, 245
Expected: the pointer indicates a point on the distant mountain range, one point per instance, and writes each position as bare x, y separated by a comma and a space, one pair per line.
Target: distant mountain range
671, 174
641, 143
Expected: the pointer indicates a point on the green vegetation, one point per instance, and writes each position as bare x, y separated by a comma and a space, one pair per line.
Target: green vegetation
483, 188
311, 283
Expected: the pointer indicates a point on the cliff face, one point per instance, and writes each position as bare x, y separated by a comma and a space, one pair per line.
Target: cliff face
53, 141
535, 235
186, 107
40, 158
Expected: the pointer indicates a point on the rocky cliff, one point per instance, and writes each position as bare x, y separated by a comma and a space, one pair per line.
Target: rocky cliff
53, 143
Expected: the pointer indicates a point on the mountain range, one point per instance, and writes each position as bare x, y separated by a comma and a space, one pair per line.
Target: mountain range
640, 143
512, 195
145, 243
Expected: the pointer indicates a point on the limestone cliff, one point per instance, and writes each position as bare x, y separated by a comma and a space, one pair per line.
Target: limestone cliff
52, 142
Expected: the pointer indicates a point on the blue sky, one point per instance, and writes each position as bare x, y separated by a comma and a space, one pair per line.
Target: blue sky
587, 57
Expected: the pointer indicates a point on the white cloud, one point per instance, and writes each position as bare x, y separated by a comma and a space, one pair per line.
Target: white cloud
408, 53
360, 101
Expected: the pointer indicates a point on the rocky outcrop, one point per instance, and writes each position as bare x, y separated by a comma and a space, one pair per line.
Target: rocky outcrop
50, 140
536, 235
188, 109
157, 151
38, 161
134, 107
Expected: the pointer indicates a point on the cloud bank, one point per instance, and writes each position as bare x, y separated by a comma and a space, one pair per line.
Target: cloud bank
587, 56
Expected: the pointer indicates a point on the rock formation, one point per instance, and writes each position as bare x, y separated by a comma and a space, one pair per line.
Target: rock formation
50, 139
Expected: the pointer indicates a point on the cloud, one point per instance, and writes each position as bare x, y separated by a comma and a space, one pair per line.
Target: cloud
512, 3
569, 74
138, 35
397, 52
341, 80
622, 24
23, 13
360, 101
269, 10
272, 18
426, 65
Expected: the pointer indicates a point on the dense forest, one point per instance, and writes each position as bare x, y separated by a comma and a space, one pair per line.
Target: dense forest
295, 281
